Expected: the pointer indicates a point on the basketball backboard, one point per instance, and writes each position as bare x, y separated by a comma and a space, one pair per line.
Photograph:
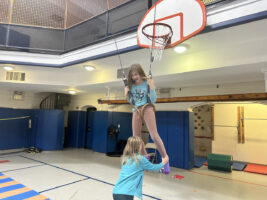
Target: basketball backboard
186, 18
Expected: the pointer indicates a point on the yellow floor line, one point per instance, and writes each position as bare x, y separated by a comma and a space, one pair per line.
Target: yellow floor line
8, 184
39, 197
14, 192
3, 177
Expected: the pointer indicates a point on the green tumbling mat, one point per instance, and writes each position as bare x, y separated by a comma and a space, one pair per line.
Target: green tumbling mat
220, 162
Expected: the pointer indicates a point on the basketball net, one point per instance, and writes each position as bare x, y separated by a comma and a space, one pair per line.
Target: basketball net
160, 40
160, 35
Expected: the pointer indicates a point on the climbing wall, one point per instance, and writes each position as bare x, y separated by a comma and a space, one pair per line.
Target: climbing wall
203, 129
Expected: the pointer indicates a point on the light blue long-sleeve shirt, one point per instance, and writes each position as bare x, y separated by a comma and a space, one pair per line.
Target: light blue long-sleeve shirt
139, 93
130, 181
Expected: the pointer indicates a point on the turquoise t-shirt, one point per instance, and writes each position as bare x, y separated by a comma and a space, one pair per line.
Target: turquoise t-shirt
139, 93
130, 181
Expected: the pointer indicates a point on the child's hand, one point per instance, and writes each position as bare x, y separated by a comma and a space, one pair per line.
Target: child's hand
150, 82
126, 90
165, 160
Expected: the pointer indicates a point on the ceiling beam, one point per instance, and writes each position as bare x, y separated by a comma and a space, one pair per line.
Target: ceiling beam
210, 98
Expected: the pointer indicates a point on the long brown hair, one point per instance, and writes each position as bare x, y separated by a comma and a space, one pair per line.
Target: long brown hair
138, 69
132, 149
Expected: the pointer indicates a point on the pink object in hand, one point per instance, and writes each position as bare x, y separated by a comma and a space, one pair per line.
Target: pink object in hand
166, 168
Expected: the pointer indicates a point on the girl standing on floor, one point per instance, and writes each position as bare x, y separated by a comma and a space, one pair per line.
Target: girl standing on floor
140, 92
132, 171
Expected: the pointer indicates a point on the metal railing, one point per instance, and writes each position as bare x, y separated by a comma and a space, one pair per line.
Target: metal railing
55, 101
117, 21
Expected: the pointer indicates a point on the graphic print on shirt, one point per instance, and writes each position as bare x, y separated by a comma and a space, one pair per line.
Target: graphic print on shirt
139, 94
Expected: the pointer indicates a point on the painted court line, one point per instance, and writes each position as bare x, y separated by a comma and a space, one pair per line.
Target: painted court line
3, 176
64, 185
24, 194
38, 197
236, 180
56, 167
12, 190
12, 154
8, 156
11, 187
88, 177
22, 168
4, 161
4, 180
6, 184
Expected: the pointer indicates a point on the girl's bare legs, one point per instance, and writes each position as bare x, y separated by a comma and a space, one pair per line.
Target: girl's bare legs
150, 119
137, 127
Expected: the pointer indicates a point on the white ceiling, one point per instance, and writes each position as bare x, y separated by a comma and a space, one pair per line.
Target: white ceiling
231, 55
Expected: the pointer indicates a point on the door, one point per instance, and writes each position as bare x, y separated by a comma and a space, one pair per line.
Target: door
89, 130
89, 127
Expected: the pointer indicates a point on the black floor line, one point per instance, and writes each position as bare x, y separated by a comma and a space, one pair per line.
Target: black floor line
85, 176
63, 185
22, 168
8, 156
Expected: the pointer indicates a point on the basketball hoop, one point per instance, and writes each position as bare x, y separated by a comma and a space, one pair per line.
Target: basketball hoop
160, 35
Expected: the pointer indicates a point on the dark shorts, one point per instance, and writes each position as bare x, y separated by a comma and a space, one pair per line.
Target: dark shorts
122, 197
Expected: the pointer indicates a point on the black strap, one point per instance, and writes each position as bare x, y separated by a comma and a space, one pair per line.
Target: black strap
148, 95
130, 95
125, 80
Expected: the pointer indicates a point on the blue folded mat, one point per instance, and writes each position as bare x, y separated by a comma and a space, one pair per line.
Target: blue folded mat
199, 161
239, 166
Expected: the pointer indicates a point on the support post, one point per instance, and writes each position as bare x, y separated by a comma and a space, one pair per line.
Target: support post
242, 125
264, 71
239, 129
212, 122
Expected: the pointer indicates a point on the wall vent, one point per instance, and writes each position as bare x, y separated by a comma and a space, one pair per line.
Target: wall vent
15, 76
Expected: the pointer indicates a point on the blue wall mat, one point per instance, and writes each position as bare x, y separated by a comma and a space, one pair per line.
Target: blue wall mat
75, 136
162, 121
114, 119
15, 133
125, 121
46, 130
176, 133
50, 129
100, 125
101, 121
175, 130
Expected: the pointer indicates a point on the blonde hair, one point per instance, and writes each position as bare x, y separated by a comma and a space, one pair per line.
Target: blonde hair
139, 70
132, 149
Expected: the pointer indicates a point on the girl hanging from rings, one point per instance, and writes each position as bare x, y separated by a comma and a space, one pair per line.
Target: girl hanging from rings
140, 92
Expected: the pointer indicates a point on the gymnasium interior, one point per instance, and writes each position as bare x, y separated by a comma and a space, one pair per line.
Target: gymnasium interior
64, 118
